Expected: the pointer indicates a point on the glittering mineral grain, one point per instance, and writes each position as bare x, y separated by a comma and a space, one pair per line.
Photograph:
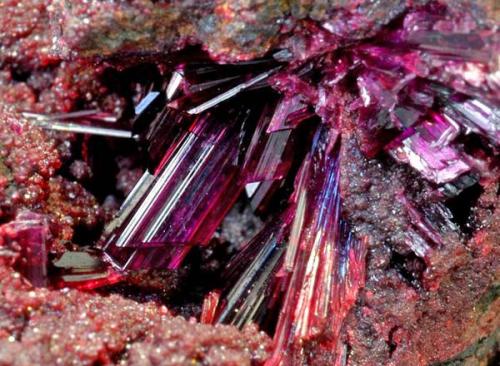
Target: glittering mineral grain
25, 34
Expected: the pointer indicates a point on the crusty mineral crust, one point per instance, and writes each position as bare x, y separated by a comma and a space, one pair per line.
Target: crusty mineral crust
29, 160
68, 327
408, 314
33, 75
229, 30
25, 34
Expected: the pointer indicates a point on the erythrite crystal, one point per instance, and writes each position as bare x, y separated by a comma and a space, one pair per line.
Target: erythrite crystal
428, 151
289, 112
187, 197
323, 266
320, 270
260, 194
209, 307
182, 200
230, 93
402, 99
251, 276
269, 155
28, 234
84, 271
90, 122
476, 116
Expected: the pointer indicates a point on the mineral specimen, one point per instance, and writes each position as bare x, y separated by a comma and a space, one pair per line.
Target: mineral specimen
365, 134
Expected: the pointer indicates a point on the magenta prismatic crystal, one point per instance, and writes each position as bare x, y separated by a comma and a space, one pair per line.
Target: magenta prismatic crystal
289, 112
476, 116
323, 265
428, 150
260, 194
183, 202
28, 234
269, 154
250, 277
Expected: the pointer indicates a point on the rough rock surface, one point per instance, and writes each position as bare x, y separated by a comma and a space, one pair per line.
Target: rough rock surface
68, 327
29, 162
410, 313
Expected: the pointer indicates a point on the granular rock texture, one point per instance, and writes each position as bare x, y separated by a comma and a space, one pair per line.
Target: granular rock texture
181, 343
33, 74
398, 313
71, 327
227, 29
25, 35
30, 159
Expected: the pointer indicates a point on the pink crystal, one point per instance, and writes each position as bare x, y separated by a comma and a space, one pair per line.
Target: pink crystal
145, 258
90, 281
29, 233
209, 307
251, 276
476, 116
186, 199
84, 271
324, 265
431, 227
269, 155
289, 112
428, 150
262, 193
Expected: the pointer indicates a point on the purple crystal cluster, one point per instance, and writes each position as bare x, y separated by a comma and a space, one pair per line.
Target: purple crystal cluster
426, 84
211, 154
273, 129
305, 262
324, 264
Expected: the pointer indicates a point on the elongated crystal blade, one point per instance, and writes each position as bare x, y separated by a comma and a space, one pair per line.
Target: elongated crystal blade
83, 129
145, 258
92, 114
91, 122
84, 271
232, 92
183, 203
261, 194
477, 116
146, 102
209, 307
289, 112
250, 275
269, 155
174, 84
324, 263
